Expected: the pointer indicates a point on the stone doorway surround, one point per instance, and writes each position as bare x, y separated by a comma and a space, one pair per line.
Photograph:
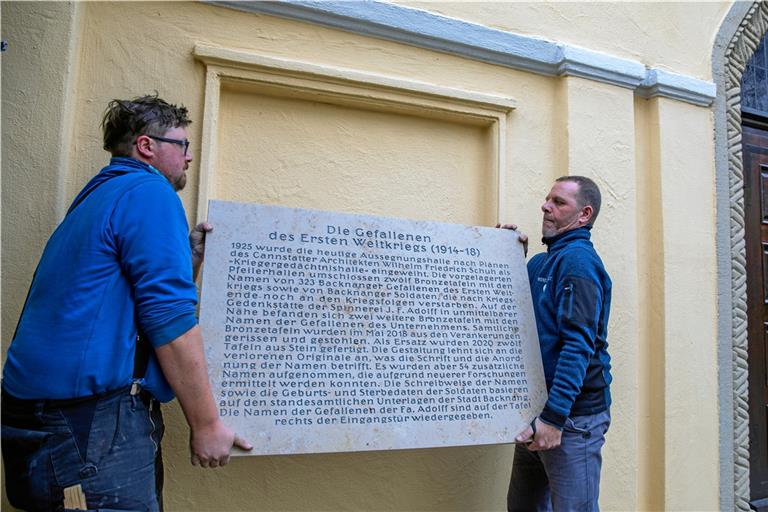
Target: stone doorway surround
740, 34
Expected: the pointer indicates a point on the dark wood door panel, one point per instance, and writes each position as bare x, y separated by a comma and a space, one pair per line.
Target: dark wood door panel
755, 151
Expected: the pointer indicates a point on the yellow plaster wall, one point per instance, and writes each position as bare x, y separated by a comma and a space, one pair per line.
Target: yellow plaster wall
599, 121
650, 350
35, 138
653, 159
354, 160
685, 157
677, 36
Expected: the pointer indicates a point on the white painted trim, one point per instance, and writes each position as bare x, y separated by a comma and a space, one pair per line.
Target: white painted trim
601, 67
471, 40
500, 148
230, 57
343, 86
418, 28
680, 87
208, 145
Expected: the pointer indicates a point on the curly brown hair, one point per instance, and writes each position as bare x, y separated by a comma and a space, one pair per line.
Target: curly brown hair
124, 120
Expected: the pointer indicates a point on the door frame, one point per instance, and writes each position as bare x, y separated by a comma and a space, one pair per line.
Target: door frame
744, 26
755, 135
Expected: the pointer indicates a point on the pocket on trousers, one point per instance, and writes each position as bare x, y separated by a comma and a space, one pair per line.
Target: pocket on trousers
125, 475
133, 429
27, 465
571, 427
116, 423
104, 430
21, 440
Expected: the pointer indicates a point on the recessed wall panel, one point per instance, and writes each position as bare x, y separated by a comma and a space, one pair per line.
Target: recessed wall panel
315, 153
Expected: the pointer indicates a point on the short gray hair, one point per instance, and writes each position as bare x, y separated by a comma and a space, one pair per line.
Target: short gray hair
589, 193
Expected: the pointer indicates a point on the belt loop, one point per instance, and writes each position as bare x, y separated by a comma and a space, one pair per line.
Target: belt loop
135, 388
40, 408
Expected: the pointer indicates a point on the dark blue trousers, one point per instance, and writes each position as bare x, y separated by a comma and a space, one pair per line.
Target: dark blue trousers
566, 478
110, 445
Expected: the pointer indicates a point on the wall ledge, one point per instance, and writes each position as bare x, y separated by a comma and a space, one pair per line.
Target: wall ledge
478, 42
680, 87
600, 67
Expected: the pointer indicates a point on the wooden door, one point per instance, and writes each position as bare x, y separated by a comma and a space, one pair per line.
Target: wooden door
755, 145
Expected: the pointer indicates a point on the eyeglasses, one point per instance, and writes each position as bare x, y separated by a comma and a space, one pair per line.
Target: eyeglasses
180, 142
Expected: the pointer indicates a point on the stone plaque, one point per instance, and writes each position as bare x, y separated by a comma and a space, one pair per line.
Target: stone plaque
330, 332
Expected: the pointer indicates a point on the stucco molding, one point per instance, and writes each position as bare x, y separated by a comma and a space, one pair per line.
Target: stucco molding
600, 67
744, 26
343, 76
418, 28
474, 41
343, 86
658, 82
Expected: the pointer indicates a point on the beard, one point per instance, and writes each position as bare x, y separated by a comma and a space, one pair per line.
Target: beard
180, 182
550, 228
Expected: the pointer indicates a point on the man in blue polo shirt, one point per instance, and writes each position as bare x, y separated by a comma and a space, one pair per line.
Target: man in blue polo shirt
80, 409
557, 463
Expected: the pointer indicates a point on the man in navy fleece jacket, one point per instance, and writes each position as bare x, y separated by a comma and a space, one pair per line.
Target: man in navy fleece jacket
557, 465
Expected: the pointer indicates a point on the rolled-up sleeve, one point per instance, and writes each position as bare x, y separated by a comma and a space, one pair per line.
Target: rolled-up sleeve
150, 232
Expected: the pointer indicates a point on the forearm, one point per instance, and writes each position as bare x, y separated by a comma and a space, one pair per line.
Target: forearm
183, 364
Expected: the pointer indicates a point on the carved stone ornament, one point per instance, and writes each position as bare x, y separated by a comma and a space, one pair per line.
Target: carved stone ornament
740, 51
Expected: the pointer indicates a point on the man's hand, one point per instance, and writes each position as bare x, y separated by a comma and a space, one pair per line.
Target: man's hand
545, 436
520, 236
183, 363
209, 447
197, 245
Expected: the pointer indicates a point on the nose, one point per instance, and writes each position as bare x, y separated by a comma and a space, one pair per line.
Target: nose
545, 207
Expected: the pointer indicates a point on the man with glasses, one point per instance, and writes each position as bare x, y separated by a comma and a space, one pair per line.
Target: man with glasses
109, 330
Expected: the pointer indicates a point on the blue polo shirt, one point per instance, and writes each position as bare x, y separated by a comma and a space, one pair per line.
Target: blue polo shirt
119, 259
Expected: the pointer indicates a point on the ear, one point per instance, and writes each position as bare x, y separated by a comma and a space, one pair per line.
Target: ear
145, 146
586, 215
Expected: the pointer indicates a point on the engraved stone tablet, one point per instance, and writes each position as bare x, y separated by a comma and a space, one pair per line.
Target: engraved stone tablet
330, 332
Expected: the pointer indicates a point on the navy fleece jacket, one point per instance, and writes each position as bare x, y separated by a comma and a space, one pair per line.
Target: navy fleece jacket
572, 299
